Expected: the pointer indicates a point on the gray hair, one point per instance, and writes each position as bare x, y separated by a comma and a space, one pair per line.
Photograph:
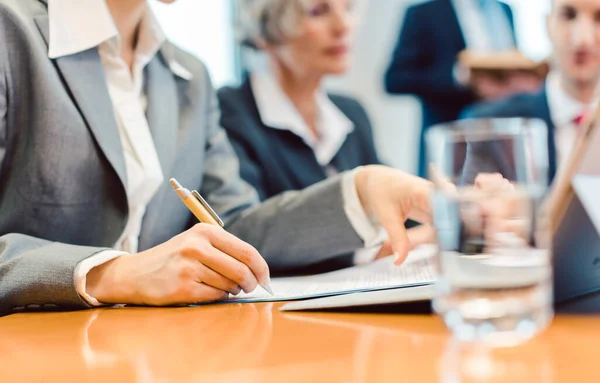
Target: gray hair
272, 21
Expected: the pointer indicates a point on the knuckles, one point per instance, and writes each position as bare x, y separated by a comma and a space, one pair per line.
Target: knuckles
241, 273
191, 246
185, 271
247, 254
204, 230
243, 276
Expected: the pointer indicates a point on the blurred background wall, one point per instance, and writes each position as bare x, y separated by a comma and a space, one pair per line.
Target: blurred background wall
206, 29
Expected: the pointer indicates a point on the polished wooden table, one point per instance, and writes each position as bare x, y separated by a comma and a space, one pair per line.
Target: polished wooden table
257, 343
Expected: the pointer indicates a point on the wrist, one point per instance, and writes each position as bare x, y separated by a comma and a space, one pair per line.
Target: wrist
361, 180
105, 284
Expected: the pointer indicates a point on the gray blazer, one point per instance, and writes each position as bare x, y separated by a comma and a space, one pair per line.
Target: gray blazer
63, 177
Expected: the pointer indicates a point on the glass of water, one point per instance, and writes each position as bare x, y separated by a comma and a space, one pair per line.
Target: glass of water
490, 176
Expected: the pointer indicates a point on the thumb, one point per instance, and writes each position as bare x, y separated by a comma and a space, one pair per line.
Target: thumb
385, 250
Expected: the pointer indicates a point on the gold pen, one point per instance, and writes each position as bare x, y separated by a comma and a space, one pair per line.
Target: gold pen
202, 210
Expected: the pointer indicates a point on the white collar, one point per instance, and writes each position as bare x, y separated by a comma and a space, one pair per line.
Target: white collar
76, 26
563, 108
278, 112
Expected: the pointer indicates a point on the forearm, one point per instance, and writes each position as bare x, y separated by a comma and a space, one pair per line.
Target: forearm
40, 273
299, 228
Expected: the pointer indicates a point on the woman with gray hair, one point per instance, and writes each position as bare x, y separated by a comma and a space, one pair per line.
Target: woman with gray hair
287, 131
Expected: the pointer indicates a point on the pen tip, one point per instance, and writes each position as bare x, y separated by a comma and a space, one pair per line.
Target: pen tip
174, 183
268, 289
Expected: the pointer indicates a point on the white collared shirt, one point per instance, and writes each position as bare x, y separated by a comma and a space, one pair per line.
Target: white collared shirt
564, 109
277, 111
474, 26
95, 27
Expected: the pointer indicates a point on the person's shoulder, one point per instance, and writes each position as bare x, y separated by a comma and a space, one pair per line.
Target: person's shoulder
22, 6
232, 95
237, 100
354, 110
519, 105
238, 110
20, 11
345, 101
349, 105
18, 19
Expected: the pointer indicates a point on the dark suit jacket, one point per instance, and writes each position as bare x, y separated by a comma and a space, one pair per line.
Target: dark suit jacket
521, 105
275, 160
423, 61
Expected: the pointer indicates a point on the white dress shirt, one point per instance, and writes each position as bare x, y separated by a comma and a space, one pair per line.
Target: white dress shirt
95, 27
564, 109
476, 29
277, 111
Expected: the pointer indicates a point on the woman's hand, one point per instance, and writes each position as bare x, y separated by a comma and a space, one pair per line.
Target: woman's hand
393, 196
205, 263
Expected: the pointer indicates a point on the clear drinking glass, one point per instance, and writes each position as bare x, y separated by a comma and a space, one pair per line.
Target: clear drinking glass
490, 176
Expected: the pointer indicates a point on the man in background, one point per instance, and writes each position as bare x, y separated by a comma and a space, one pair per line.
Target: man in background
574, 30
423, 64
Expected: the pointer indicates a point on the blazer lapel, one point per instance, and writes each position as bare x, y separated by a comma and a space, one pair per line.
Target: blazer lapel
83, 74
162, 111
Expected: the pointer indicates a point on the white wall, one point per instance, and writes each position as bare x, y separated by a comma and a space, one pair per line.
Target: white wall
205, 29
396, 119
530, 21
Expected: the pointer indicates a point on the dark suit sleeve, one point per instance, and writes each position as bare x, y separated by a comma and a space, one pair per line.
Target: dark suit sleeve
414, 68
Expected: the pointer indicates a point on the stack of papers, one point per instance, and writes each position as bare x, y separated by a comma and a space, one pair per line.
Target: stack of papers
417, 270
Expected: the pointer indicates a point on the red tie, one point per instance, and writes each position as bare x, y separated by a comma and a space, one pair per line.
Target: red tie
577, 121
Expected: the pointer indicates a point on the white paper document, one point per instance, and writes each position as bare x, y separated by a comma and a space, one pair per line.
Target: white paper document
417, 270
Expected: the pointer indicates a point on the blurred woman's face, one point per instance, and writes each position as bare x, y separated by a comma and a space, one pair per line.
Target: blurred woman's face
323, 43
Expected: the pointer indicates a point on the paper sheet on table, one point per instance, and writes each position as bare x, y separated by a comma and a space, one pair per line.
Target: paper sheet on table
417, 270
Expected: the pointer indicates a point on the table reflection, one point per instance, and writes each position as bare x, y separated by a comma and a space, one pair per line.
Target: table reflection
141, 344
257, 343
468, 363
